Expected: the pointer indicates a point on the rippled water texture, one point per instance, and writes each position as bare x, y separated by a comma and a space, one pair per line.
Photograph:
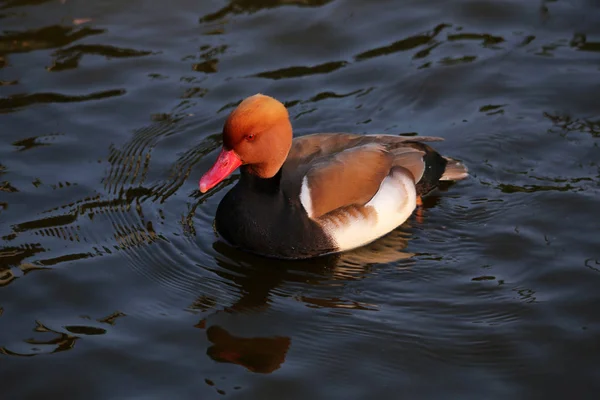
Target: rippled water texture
113, 283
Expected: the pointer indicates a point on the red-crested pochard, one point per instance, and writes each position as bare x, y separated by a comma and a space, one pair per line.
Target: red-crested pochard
316, 194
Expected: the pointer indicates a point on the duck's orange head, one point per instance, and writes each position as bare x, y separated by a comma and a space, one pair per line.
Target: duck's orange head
257, 134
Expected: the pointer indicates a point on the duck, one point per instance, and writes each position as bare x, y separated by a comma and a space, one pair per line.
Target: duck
320, 193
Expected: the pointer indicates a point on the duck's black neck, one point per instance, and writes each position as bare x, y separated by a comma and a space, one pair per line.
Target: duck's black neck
263, 185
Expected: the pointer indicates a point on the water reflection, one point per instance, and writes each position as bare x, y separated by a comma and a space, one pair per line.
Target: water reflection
120, 203
11, 261
69, 58
581, 42
16, 101
251, 6
35, 141
64, 58
209, 57
259, 354
300, 71
49, 37
259, 278
564, 124
405, 44
8, 4
593, 264
60, 340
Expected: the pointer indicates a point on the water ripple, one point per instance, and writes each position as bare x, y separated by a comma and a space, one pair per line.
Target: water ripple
37, 39
403, 44
296, 72
16, 101
69, 58
120, 205
64, 339
248, 7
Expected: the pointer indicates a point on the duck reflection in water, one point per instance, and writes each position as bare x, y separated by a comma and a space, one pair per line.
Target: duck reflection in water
257, 277
259, 354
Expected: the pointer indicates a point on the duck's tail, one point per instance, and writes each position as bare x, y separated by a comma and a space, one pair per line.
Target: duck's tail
455, 170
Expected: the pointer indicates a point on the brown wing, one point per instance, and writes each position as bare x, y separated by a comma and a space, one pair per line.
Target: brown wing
342, 169
309, 147
349, 177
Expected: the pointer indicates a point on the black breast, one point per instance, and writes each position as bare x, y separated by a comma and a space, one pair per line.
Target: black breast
258, 216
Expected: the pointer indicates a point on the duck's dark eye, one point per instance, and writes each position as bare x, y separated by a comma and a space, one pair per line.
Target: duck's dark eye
250, 137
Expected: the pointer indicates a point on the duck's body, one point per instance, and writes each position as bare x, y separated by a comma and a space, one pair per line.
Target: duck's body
265, 219
329, 193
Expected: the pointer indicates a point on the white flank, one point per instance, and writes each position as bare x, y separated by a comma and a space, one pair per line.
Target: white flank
394, 202
305, 198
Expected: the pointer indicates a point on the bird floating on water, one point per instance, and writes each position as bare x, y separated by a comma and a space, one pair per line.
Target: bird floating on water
321, 193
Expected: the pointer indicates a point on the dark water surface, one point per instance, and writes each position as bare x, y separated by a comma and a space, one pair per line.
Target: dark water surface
112, 282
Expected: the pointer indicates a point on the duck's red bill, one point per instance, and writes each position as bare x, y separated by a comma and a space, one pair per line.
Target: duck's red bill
226, 163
